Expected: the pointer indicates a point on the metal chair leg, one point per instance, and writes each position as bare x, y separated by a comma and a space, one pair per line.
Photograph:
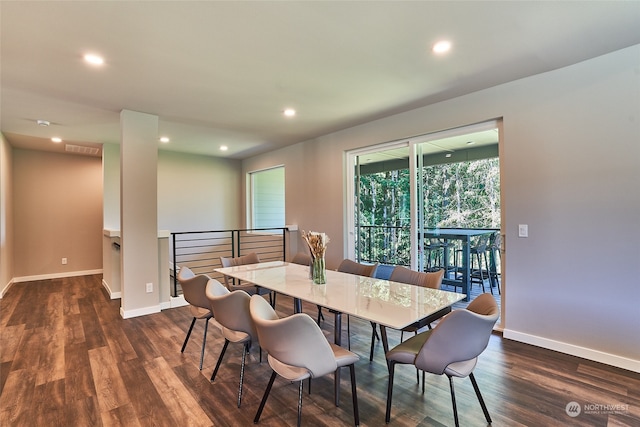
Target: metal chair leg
204, 341
193, 322
245, 349
392, 366
480, 399
264, 398
300, 403
215, 371
453, 401
354, 395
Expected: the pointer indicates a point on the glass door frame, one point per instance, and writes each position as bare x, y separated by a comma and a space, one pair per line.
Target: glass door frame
415, 183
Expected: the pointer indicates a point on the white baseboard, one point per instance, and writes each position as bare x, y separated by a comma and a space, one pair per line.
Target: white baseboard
574, 350
139, 311
112, 295
178, 301
56, 275
6, 288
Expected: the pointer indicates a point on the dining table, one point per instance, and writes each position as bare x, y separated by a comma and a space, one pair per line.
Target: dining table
462, 275
383, 302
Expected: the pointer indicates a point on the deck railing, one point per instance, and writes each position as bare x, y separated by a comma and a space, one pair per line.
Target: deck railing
384, 244
201, 250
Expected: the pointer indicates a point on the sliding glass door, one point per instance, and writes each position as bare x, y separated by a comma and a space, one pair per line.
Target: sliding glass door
443, 180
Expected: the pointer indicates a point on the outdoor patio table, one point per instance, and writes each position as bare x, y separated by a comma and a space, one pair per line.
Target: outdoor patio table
464, 236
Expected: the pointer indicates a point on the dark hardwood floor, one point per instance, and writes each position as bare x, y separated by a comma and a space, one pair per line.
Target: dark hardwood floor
69, 359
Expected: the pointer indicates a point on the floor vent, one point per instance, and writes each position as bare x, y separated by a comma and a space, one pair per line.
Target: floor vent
79, 149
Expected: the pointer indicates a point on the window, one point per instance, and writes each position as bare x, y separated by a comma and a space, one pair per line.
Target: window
266, 194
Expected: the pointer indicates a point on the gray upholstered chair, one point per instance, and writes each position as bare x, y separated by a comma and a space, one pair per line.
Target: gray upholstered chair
193, 289
298, 350
232, 313
431, 280
402, 274
367, 270
301, 258
232, 284
451, 348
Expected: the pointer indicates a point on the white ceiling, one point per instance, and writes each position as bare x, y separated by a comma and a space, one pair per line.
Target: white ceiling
221, 73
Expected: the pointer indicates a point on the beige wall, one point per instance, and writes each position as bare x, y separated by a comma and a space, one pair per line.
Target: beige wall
6, 215
570, 170
198, 192
57, 201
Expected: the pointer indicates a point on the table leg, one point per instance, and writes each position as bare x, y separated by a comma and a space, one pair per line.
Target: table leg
466, 267
337, 339
383, 337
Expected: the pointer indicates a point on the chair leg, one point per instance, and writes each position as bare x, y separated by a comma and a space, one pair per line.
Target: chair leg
264, 398
453, 401
193, 322
480, 399
387, 416
480, 272
215, 371
300, 403
354, 395
245, 349
204, 341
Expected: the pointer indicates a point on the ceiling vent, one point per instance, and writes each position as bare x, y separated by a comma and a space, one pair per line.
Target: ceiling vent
79, 149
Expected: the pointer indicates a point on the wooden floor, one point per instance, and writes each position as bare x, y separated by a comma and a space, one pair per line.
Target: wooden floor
69, 359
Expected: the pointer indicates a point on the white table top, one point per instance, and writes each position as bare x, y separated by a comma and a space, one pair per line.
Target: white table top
387, 303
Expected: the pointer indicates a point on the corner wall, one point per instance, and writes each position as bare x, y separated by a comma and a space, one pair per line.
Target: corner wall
6, 216
57, 201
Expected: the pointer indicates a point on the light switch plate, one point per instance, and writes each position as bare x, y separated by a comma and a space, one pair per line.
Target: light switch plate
523, 230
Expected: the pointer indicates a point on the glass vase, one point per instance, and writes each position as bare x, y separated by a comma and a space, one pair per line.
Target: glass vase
318, 271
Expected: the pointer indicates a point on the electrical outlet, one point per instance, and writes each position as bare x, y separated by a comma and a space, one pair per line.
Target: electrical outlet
64, 261
149, 288
523, 230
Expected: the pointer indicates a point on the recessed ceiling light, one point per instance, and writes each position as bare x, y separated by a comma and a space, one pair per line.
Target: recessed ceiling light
94, 59
470, 142
43, 123
164, 139
289, 112
56, 139
447, 155
223, 148
442, 46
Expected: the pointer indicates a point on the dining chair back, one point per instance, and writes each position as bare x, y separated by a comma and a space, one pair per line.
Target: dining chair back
431, 280
232, 313
297, 349
301, 258
349, 266
367, 270
232, 284
451, 348
193, 289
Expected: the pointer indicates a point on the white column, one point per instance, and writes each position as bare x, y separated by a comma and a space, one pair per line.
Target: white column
139, 213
